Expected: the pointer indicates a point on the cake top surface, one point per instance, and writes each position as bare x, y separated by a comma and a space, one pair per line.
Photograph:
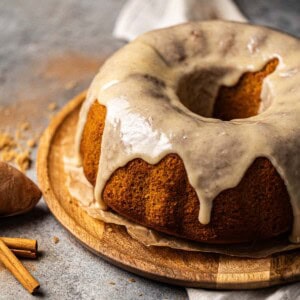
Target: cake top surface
146, 119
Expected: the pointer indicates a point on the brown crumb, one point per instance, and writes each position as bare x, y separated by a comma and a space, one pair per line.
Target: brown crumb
25, 126
131, 280
23, 160
140, 295
52, 106
112, 283
6, 141
8, 155
55, 240
109, 229
11, 151
31, 143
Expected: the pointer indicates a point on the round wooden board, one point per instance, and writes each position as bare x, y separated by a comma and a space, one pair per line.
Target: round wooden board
189, 269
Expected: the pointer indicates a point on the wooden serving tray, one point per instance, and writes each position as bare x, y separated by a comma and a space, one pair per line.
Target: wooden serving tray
189, 269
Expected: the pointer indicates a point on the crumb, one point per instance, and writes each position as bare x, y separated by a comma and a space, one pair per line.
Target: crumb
31, 143
112, 283
8, 155
23, 160
52, 106
55, 240
6, 141
140, 295
70, 85
24, 126
11, 151
131, 280
109, 229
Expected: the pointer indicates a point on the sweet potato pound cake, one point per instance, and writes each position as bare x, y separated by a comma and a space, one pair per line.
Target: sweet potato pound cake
194, 131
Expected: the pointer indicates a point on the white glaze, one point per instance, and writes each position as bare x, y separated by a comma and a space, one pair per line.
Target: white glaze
216, 154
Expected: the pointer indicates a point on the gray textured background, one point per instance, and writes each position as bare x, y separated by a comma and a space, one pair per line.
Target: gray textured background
46, 47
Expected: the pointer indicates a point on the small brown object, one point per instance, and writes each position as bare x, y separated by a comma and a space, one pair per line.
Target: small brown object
18, 194
11, 262
22, 247
31, 143
6, 141
8, 155
24, 126
11, 149
23, 160
55, 240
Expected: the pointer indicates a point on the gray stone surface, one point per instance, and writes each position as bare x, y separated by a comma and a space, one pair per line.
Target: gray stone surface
50, 51
283, 15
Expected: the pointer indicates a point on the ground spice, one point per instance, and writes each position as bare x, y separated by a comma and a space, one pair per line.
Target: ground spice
11, 149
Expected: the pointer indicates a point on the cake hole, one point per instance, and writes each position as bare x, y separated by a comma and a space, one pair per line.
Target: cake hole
199, 92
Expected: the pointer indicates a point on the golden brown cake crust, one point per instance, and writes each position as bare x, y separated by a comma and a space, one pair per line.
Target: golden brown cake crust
90, 144
160, 196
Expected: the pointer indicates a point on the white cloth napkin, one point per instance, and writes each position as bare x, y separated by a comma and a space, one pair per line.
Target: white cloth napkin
137, 17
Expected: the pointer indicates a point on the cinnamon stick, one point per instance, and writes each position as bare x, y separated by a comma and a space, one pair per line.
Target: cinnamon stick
22, 247
19, 243
24, 253
11, 262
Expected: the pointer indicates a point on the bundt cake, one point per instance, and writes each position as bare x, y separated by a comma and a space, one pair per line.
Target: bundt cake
194, 131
